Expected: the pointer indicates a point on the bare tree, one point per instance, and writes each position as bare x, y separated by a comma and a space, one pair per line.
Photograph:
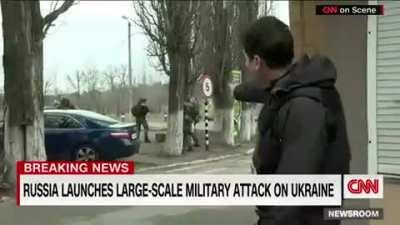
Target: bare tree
47, 86
152, 19
76, 83
221, 24
23, 31
121, 80
92, 85
216, 61
111, 76
168, 25
144, 76
246, 13
265, 8
121, 76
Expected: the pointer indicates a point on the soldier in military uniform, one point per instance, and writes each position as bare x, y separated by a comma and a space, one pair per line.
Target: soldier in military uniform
139, 111
65, 103
191, 117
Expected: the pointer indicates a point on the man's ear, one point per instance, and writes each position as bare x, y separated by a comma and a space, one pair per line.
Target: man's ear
257, 62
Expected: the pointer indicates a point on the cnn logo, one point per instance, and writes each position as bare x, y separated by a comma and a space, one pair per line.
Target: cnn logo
363, 186
330, 10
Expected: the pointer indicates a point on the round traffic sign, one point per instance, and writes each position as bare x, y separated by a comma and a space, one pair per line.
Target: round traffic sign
207, 87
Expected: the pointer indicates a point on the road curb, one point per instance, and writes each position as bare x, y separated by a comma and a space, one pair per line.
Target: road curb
194, 162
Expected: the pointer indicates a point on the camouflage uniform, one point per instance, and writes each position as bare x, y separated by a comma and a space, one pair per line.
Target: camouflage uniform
191, 114
141, 118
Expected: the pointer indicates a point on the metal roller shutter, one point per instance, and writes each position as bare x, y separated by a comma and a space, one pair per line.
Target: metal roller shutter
388, 89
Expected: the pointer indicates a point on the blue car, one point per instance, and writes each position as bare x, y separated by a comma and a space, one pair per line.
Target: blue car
84, 135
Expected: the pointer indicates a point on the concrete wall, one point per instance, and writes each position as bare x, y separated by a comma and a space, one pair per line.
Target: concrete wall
344, 40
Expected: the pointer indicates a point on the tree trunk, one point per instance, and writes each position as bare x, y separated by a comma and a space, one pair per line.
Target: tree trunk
174, 143
78, 96
224, 113
245, 123
224, 121
178, 54
23, 70
220, 68
248, 11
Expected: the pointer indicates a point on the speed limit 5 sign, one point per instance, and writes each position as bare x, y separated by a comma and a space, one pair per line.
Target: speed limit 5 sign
207, 87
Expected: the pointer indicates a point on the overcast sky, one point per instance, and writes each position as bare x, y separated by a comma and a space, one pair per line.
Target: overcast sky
93, 34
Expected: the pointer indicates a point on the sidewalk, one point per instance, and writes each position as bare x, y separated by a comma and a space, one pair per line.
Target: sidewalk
152, 156
157, 123
5, 194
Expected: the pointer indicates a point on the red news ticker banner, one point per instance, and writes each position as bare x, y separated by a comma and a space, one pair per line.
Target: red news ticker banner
42, 183
72, 168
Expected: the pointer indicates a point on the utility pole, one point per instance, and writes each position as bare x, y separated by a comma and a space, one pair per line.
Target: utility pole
129, 67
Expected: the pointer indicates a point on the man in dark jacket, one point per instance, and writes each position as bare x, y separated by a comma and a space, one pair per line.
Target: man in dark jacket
139, 111
301, 127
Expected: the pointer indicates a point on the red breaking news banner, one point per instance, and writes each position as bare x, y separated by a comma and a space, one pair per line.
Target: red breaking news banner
66, 167
72, 168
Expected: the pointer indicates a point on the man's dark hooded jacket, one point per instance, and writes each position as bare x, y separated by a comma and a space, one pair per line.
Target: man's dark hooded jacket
301, 130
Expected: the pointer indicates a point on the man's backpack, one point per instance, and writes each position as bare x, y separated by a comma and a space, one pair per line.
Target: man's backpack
321, 96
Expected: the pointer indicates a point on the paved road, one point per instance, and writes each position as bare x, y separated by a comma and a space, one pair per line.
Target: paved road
11, 215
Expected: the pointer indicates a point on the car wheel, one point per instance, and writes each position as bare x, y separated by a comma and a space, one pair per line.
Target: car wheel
86, 153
